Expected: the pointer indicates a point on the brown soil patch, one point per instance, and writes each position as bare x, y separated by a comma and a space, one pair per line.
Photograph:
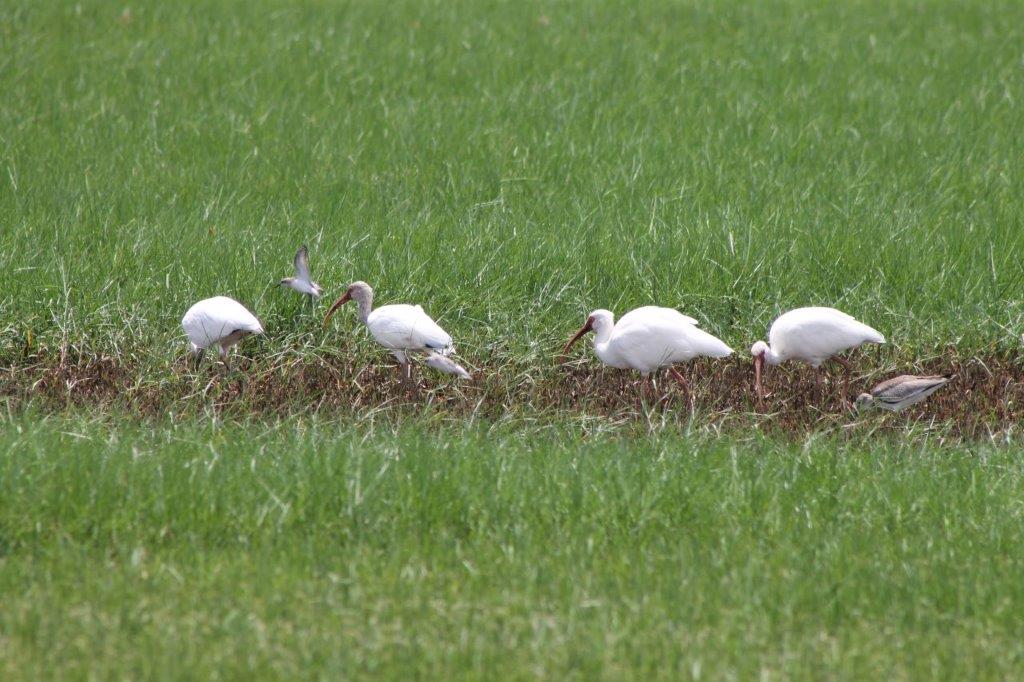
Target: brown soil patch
986, 399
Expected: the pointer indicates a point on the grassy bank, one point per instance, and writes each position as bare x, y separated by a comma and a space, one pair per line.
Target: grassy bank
308, 548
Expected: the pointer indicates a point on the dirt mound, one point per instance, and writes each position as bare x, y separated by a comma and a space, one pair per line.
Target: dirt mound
986, 397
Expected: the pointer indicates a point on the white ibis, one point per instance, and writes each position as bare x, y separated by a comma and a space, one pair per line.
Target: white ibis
902, 391
649, 338
811, 335
302, 282
404, 330
219, 321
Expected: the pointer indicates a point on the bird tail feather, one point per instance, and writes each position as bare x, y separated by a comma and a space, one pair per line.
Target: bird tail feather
442, 363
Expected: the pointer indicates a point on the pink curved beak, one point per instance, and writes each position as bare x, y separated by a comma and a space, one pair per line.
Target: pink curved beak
758, 366
345, 298
583, 330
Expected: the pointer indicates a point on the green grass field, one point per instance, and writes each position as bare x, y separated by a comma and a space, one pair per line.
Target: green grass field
307, 549
511, 166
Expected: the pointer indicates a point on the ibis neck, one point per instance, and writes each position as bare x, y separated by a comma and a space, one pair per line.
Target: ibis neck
602, 334
771, 357
365, 306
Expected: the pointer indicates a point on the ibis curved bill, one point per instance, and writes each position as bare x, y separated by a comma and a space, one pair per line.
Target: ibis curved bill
404, 330
219, 321
900, 392
649, 338
810, 335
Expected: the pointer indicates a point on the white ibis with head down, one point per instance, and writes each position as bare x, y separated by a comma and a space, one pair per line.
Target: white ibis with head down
811, 335
219, 321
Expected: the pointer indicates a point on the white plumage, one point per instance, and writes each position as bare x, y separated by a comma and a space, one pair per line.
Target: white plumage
811, 335
403, 329
649, 338
651, 312
302, 282
219, 321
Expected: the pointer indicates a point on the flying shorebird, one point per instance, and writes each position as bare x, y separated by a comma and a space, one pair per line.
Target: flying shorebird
302, 282
902, 391
647, 339
219, 321
404, 330
811, 335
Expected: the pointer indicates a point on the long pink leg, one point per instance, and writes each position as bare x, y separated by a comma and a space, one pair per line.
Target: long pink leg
844, 362
681, 380
646, 388
846, 378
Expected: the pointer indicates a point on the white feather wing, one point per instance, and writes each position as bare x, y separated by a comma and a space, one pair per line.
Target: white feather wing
302, 265
646, 313
662, 341
816, 334
211, 319
407, 327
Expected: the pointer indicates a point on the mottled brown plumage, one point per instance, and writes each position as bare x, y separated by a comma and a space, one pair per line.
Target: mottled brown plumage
902, 391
